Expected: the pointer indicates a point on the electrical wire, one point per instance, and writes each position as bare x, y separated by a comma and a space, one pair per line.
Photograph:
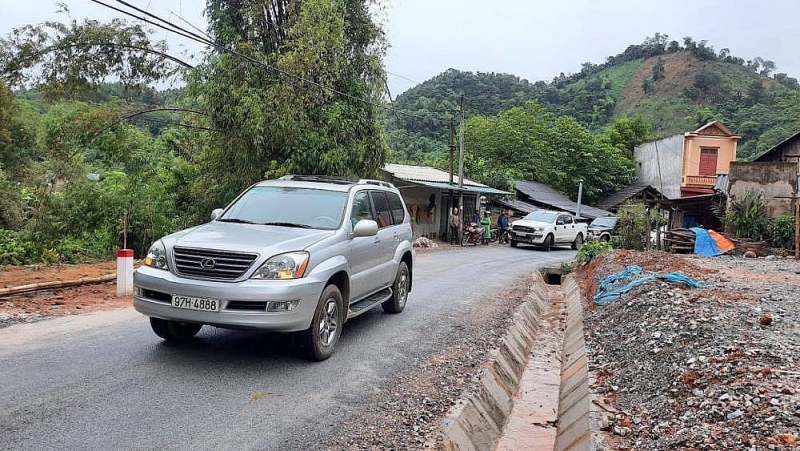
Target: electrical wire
197, 38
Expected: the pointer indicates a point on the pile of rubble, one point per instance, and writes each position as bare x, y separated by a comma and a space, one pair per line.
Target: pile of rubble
710, 368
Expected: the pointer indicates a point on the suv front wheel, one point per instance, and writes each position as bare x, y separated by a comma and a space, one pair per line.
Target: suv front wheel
319, 341
399, 291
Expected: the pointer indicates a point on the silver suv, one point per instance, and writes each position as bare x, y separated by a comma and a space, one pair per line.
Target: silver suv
299, 254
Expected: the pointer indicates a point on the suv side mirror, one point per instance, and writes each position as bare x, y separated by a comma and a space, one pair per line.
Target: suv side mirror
365, 227
559, 222
215, 213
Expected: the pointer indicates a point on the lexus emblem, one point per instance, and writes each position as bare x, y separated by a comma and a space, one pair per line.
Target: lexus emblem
208, 263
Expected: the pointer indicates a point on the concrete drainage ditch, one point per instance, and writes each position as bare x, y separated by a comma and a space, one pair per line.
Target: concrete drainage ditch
533, 392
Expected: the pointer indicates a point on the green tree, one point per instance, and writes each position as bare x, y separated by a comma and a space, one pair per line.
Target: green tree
626, 133
530, 143
276, 121
658, 70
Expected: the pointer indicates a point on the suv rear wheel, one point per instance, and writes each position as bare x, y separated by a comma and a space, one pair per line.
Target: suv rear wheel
319, 341
173, 330
399, 291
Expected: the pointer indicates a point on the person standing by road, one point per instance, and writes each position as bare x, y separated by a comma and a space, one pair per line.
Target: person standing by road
502, 223
486, 223
454, 221
476, 218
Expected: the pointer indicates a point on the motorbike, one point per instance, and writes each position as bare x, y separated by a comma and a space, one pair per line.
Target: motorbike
504, 236
471, 233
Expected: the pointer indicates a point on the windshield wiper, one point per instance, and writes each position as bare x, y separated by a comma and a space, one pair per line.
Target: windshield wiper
237, 221
287, 224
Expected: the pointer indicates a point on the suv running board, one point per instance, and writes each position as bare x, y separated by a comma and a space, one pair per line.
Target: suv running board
367, 303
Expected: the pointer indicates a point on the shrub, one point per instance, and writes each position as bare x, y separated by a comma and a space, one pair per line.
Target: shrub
591, 249
746, 216
781, 231
636, 221
15, 249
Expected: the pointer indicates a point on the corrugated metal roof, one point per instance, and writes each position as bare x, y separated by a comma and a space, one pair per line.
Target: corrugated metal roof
543, 194
776, 147
517, 205
721, 185
424, 174
624, 194
470, 189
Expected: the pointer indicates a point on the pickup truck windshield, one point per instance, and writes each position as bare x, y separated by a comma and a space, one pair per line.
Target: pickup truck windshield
541, 216
288, 207
608, 222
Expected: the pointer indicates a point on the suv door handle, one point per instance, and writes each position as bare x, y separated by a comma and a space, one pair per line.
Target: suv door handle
396, 237
377, 241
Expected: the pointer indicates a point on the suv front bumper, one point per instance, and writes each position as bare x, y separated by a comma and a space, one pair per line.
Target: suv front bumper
528, 237
154, 288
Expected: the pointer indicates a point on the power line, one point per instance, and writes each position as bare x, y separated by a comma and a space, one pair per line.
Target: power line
194, 37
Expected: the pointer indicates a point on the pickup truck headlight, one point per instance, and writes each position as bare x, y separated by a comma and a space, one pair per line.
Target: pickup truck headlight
156, 256
291, 265
539, 229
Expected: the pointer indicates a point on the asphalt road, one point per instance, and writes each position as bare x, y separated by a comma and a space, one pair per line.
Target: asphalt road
107, 382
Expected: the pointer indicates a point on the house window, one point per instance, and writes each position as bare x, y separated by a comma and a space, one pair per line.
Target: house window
708, 161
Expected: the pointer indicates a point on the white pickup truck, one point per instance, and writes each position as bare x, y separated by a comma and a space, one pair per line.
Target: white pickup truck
548, 228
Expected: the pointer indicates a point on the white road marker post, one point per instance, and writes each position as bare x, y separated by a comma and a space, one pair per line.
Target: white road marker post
124, 272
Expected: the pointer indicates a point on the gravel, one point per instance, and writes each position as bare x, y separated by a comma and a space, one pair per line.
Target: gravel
710, 368
408, 413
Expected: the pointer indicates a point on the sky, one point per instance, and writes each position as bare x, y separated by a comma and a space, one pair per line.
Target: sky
532, 39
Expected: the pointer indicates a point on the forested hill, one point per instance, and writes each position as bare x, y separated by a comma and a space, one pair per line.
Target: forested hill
674, 87
418, 136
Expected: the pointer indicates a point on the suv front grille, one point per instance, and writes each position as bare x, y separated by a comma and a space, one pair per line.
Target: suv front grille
223, 265
522, 229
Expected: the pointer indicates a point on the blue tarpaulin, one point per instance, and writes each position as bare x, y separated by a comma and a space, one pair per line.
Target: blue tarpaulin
607, 293
703, 243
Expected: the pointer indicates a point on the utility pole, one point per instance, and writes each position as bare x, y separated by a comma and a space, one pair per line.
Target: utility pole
461, 161
452, 156
580, 195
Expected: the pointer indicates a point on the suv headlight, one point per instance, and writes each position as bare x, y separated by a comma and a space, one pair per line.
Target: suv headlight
539, 229
291, 265
156, 256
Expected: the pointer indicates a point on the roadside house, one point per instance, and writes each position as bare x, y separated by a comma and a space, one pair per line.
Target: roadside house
635, 193
535, 196
689, 164
429, 196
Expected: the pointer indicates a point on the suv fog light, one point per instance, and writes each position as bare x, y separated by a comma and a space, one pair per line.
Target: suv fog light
137, 291
281, 306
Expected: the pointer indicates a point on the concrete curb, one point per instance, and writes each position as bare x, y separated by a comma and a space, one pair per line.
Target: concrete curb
477, 420
574, 407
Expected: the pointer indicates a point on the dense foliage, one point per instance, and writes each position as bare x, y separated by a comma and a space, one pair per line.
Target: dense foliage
636, 223
530, 143
673, 86
92, 159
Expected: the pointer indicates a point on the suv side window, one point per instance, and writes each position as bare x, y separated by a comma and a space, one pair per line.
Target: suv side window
362, 208
567, 219
383, 214
398, 212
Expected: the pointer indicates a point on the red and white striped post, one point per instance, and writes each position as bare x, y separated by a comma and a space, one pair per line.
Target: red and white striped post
124, 272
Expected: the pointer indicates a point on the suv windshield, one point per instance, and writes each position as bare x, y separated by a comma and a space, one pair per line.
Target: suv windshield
541, 216
288, 207
608, 222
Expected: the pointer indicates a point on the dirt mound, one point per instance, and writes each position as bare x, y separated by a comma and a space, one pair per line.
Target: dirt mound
712, 368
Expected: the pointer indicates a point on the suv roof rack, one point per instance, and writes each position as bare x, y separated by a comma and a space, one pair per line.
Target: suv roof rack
375, 182
317, 178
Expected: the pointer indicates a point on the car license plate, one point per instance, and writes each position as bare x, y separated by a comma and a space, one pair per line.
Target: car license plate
521, 233
193, 303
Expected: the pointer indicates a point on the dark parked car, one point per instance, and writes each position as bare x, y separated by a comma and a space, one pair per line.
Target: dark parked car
603, 229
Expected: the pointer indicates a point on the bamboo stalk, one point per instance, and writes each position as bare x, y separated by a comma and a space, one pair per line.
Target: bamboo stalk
55, 285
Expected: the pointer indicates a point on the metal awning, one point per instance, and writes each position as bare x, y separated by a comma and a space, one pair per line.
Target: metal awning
456, 188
